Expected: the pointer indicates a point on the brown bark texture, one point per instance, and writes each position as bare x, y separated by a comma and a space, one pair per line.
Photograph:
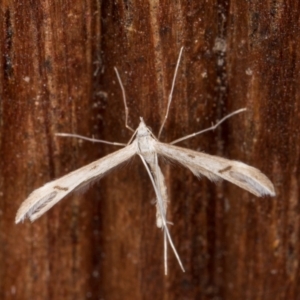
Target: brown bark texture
56, 75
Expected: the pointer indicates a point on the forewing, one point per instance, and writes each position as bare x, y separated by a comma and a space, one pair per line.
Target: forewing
214, 167
43, 198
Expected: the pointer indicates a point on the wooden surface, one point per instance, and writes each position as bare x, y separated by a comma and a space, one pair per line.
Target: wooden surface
57, 60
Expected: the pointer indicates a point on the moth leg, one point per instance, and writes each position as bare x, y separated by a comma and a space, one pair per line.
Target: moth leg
163, 219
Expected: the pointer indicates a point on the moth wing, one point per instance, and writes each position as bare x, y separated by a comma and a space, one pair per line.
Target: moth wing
215, 167
43, 198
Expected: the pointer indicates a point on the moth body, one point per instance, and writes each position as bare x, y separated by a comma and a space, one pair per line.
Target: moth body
146, 148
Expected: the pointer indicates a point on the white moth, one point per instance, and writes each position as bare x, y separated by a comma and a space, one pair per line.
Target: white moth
144, 144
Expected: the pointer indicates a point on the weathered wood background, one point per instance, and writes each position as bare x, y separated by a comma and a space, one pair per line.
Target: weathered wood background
56, 75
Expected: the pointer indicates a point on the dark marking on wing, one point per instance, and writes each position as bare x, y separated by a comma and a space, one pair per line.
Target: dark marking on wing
60, 188
94, 167
191, 156
225, 169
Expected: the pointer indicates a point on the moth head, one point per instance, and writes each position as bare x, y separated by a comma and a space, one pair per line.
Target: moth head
143, 130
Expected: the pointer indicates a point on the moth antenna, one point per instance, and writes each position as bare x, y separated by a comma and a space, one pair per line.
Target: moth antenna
124, 99
171, 92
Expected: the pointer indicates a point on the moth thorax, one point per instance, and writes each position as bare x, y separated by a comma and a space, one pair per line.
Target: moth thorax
146, 148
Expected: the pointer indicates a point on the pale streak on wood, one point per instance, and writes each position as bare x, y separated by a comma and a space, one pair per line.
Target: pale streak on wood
157, 53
